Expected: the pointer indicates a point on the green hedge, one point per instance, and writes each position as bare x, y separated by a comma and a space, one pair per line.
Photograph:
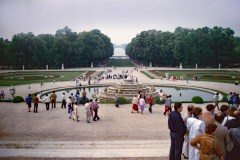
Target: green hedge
197, 99
122, 100
18, 99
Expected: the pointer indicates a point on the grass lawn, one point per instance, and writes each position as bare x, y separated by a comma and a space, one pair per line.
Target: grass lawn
120, 63
203, 75
18, 78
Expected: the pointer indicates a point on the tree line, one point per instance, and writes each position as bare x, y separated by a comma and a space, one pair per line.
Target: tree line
65, 47
207, 47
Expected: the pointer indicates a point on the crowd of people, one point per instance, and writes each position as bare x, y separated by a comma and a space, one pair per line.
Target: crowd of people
204, 135
72, 104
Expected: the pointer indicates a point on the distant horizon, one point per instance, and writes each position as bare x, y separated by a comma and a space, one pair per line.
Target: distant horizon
120, 20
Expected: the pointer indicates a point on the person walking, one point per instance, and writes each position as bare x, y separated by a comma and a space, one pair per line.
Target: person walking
64, 101
95, 108
75, 113
69, 104
168, 104
53, 98
208, 147
142, 104
72, 100
150, 102
46, 100
135, 104
29, 102
84, 96
35, 103
216, 100
177, 131
88, 111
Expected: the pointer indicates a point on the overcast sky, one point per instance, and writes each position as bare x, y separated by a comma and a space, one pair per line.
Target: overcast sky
120, 20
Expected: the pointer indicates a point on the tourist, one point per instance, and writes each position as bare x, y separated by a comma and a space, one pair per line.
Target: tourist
29, 102
116, 101
77, 96
35, 103
233, 152
210, 108
46, 100
207, 146
63, 100
168, 104
195, 126
235, 122
161, 95
185, 150
75, 114
72, 100
150, 101
135, 104
142, 104
84, 96
216, 100
221, 131
69, 104
177, 131
88, 111
228, 112
95, 108
53, 98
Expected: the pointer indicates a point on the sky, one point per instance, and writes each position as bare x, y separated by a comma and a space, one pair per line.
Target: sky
120, 20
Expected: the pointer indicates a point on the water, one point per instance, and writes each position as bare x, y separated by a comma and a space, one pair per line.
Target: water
186, 93
119, 52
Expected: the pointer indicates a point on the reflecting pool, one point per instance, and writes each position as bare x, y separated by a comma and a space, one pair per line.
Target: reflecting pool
178, 93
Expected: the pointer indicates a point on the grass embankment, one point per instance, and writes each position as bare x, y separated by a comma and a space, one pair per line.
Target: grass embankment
18, 78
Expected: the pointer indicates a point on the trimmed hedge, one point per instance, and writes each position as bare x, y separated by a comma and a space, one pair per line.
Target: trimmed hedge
197, 99
122, 100
18, 99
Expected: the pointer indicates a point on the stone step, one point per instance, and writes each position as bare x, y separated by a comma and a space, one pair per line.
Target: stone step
83, 149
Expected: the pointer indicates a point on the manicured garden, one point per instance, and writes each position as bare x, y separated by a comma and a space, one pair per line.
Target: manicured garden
120, 63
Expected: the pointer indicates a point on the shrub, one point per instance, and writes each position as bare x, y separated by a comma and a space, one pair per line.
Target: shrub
18, 99
224, 99
197, 99
122, 100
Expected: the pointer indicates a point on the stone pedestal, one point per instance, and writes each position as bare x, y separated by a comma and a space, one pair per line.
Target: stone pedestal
46, 67
196, 66
91, 64
62, 66
219, 66
23, 67
150, 64
180, 66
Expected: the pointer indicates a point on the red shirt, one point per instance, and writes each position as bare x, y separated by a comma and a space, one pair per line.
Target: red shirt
150, 100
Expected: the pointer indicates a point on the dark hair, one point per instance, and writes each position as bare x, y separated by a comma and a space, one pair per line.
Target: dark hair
219, 117
210, 128
224, 108
90, 100
190, 107
177, 105
35, 94
210, 107
197, 111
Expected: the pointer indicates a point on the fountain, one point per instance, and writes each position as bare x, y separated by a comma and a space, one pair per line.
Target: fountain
127, 90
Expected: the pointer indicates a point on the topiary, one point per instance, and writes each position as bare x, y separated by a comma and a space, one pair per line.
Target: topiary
18, 99
197, 99
122, 100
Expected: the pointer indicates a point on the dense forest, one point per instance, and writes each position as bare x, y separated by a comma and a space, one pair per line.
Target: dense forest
65, 47
207, 47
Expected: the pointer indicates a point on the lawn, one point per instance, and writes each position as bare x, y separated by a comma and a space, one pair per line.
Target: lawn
203, 75
18, 78
120, 63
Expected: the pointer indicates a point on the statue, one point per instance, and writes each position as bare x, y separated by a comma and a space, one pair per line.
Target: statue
152, 89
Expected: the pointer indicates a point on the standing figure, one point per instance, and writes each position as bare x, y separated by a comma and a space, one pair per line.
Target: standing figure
63, 100
29, 102
46, 100
142, 104
208, 147
161, 95
69, 104
216, 100
150, 101
116, 101
177, 131
35, 103
88, 111
135, 104
95, 108
195, 126
168, 104
53, 98
75, 113
84, 96
186, 137
73, 100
